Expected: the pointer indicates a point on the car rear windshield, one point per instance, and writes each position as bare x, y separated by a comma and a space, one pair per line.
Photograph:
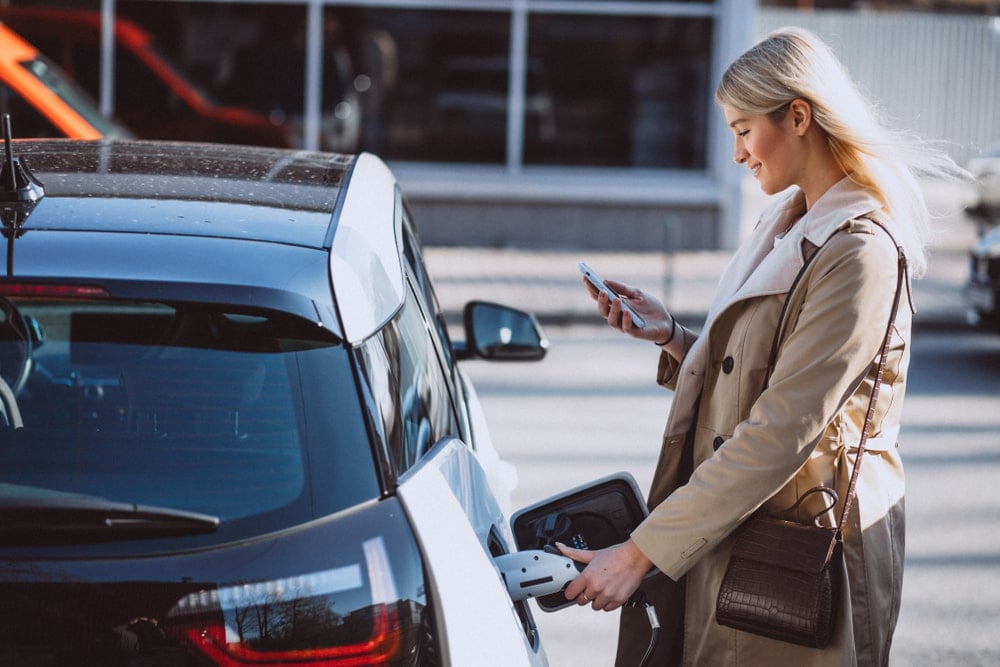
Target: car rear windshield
250, 417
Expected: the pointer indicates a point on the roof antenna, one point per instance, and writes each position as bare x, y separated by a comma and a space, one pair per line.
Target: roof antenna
19, 192
17, 184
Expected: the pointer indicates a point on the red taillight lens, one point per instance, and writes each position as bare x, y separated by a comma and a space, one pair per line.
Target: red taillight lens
381, 647
292, 621
40, 290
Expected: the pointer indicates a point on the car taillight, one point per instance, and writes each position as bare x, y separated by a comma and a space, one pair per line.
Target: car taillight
378, 649
293, 621
52, 290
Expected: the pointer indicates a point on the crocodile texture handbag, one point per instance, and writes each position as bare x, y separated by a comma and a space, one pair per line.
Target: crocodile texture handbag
783, 580
784, 577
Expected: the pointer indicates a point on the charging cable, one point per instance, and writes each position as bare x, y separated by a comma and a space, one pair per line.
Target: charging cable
639, 599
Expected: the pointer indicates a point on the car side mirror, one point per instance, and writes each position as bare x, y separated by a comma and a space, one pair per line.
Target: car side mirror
500, 333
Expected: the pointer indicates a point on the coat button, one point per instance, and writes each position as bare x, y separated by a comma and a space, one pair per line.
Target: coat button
718, 442
727, 365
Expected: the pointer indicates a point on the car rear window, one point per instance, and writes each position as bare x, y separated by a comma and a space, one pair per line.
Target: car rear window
251, 417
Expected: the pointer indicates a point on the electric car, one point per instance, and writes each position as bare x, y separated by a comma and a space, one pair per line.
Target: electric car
235, 429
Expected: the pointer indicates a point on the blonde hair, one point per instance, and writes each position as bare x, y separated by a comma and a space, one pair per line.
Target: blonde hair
793, 63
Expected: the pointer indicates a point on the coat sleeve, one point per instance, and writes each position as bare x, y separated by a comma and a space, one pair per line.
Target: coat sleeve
830, 347
666, 372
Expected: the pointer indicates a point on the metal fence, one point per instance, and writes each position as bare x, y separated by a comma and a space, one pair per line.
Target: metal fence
938, 76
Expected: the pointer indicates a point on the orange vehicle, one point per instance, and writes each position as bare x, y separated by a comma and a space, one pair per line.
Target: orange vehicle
152, 96
41, 100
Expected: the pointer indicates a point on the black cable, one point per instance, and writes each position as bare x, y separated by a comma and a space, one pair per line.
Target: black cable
654, 626
639, 598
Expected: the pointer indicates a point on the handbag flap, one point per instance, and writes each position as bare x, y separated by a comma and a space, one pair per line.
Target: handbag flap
784, 543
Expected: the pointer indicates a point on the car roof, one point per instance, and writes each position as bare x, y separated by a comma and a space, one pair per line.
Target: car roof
210, 178
275, 225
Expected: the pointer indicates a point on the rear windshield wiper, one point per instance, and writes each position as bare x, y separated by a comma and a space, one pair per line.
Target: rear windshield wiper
74, 519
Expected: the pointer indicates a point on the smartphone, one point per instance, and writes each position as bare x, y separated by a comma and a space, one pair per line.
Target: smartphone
597, 282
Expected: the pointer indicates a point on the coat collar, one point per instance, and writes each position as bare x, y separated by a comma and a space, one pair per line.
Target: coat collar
762, 266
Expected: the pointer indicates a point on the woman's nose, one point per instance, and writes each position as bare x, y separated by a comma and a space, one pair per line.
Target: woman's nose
739, 154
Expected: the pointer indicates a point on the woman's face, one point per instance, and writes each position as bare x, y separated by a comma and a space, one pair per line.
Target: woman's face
770, 149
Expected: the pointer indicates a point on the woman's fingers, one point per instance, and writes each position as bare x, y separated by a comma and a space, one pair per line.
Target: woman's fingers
612, 575
577, 589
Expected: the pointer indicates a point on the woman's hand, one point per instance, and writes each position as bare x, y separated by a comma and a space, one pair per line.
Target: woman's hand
659, 323
611, 577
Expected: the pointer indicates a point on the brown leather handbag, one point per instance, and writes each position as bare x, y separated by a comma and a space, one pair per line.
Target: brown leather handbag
784, 577
783, 580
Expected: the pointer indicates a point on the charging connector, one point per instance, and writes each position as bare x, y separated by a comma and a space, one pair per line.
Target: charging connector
535, 572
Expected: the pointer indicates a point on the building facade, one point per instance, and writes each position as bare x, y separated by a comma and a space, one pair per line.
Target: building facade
549, 123
556, 123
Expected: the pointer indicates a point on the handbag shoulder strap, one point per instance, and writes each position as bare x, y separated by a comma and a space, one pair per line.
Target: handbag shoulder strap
901, 281
901, 275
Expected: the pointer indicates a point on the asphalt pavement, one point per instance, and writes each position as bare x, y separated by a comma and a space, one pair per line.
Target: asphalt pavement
548, 284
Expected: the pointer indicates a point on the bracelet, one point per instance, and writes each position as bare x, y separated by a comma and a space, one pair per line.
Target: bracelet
673, 332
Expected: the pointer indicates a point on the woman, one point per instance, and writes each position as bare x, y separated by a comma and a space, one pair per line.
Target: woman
730, 448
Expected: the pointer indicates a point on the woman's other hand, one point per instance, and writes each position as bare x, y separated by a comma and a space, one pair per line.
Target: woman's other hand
658, 322
611, 577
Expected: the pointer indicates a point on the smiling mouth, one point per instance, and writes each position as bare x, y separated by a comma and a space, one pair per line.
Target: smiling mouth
756, 169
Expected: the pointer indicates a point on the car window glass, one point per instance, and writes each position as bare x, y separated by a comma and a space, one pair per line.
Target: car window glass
409, 386
433, 313
201, 409
418, 269
70, 93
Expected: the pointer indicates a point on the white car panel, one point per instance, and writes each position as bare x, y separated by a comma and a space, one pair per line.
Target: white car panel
502, 475
364, 261
451, 509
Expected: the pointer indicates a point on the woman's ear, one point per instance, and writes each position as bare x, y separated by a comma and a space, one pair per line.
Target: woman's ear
800, 113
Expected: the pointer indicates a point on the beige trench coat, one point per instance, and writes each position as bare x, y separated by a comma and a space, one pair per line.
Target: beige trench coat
751, 449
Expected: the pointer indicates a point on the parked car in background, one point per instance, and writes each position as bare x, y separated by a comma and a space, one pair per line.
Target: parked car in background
985, 169
45, 101
982, 290
235, 429
152, 95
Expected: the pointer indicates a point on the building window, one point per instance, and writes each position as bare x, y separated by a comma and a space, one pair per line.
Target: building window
596, 83
617, 91
435, 84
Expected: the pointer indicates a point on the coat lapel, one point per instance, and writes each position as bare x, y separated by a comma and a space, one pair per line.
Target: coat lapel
754, 265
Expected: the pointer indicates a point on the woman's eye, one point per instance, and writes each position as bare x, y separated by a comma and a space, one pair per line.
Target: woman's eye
743, 133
